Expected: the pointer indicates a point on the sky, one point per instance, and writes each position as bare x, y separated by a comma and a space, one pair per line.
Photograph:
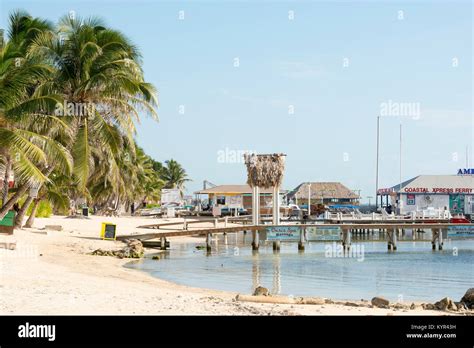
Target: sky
303, 78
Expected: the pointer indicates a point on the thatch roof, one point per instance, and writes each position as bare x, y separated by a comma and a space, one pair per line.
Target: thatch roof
231, 189
320, 190
265, 171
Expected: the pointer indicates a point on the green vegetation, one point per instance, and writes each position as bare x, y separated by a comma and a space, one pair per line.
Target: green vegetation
44, 209
71, 94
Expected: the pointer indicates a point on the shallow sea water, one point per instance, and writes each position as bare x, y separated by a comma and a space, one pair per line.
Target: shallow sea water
413, 272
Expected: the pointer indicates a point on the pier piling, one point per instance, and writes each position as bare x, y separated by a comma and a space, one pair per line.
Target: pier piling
302, 240
437, 238
392, 239
208, 242
440, 240
346, 240
255, 240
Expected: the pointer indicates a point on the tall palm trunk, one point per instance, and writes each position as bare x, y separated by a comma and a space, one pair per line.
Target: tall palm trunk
22, 212
31, 218
8, 170
7, 206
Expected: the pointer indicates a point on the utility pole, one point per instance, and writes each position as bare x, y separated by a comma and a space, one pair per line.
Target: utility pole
377, 162
400, 155
467, 156
369, 198
309, 199
400, 187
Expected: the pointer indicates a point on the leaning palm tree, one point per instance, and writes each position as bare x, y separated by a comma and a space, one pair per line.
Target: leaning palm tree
55, 191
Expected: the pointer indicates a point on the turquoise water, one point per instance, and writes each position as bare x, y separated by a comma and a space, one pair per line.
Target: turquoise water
413, 272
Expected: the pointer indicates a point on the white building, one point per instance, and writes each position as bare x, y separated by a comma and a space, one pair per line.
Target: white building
447, 192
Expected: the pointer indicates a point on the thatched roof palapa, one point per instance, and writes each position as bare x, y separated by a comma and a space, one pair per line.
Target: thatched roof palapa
265, 171
322, 190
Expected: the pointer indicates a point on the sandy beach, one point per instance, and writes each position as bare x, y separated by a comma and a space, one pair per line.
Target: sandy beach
52, 272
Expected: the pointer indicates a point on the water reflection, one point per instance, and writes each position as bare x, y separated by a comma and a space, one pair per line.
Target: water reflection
276, 289
255, 270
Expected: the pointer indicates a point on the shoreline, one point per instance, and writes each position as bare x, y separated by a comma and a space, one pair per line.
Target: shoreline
52, 273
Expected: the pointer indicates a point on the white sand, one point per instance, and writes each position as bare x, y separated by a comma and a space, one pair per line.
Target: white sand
53, 273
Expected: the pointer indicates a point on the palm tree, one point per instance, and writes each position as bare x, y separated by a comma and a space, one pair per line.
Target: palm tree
174, 175
81, 63
24, 109
98, 67
55, 192
138, 180
149, 183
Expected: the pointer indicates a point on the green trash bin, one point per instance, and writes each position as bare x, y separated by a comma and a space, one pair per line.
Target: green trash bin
7, 223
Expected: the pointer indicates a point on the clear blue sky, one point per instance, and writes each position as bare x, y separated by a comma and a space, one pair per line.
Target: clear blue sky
331, 135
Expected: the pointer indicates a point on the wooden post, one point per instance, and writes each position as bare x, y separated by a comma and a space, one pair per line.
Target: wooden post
434, 236
254, 206
257, 210
255, 241
208, 242
163, 243
276, 245
302, 240
440, 240
349, 240
394, 240
276, 206
345, 239
225, 221
389, 239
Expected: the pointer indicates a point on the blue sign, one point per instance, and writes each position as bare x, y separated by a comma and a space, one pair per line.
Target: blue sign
466, 171
461, 232
283, 233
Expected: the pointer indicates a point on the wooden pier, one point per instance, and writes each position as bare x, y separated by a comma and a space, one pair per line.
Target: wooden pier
389, 230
